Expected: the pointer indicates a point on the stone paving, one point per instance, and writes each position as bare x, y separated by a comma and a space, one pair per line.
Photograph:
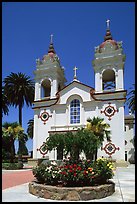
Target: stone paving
124, 190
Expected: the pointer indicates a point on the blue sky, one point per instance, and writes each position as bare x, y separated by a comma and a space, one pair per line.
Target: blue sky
77, 27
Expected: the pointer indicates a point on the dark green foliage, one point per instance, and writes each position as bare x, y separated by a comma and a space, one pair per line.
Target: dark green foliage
19, 89
74, 173
5, 103
75, 142
6, 153
12, 166
30, 128
23, 149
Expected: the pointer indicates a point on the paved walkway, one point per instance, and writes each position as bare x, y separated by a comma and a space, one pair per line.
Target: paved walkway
12, 178
15, 186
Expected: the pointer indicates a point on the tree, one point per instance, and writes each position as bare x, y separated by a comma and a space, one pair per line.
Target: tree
12, 131
23, 150
5, 103
131, 99
19, 88
30, 128
99, 128
83, 139
6, 153
56, 141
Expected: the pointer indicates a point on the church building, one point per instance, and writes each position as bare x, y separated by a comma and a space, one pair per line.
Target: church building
60, 108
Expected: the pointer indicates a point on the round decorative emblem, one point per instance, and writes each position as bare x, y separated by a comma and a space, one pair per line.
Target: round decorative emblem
44, 116
109, 111
110, 148
43, 150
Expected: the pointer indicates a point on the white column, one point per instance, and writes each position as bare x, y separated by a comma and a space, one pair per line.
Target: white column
116, 81
37, 91
120, 84
35, 134
53, 88
98, 82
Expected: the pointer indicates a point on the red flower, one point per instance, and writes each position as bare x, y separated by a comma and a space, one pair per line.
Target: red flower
79, 168
64, 173
70, 170
75, 165
74, 174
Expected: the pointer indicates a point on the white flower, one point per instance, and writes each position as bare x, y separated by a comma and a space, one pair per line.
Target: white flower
53, 163
49, 168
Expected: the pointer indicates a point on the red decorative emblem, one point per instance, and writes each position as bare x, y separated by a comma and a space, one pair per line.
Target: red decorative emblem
110, 148
109, 111
44, 116
43, 150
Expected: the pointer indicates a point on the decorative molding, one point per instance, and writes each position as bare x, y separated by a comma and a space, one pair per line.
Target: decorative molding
110, 148
93, 94
43, 152
44, 116
109, 111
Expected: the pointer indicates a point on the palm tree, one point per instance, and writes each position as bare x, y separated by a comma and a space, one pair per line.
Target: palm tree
131, 100
30, 128
99, 128
19, 88
5, 103
13, 131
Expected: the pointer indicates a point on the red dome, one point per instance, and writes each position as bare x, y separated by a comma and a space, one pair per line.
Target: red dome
113, 42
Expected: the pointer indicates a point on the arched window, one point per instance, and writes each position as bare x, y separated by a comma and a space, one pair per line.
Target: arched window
45, 88
108, 79
75, 111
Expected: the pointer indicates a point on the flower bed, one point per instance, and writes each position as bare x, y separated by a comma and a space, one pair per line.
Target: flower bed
73, 176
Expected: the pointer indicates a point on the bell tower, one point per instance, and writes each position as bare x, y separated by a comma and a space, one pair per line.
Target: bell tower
49, 75
108, 64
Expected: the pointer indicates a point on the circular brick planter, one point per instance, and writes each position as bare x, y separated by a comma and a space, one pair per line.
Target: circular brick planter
71, 193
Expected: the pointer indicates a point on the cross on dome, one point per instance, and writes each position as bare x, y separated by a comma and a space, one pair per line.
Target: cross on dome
51, 38
75, 73
108, 24
51, 48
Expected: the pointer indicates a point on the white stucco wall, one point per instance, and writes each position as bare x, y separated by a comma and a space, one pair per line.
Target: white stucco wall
60, 119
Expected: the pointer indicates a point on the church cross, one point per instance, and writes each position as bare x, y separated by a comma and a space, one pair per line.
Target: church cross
51, 38
108, 24
75, 74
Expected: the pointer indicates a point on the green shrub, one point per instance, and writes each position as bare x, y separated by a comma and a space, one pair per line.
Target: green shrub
12, 166
104, 170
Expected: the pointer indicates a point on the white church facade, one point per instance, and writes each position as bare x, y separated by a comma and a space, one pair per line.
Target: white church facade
61, 108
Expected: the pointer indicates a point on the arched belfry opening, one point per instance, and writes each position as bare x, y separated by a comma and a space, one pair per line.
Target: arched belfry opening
108, 79
45, 88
